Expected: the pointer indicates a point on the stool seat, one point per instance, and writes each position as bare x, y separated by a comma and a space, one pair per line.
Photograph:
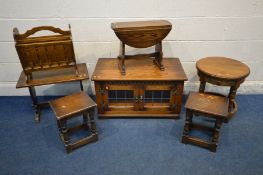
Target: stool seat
72, 104
214, 105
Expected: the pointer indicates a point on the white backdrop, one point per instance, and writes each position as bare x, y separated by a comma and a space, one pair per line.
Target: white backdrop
200, 28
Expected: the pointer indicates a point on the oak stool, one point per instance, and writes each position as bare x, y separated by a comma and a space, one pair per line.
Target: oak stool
71, 106
208, 105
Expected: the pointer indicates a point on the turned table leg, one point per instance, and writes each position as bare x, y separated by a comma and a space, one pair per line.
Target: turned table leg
35, 104
81, 85
158, 60
202, 86
232, 107
121, 58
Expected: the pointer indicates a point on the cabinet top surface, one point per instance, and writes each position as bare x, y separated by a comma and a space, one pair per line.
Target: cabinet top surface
140, 69
134, 25
221, 67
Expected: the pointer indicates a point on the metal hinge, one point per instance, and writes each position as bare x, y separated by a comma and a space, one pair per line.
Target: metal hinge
174, 92
139, 99
173, 106
101, 91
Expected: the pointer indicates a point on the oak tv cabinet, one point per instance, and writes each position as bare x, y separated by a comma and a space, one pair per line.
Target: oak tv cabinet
144, 91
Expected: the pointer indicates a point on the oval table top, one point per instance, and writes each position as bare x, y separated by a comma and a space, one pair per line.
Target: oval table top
223, 68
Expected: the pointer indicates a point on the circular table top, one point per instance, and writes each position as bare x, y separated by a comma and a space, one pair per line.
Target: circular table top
224, 68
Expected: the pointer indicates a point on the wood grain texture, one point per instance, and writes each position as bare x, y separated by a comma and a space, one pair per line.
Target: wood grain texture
137, 25
53, 76
141, 69
72, 106
223, 71
199, 104
141, 34
223, 68
69, 105
207, 103
143, 75
44, 52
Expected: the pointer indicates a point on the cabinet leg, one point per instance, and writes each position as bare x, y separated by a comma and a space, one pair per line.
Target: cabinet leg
179, 97
101, 97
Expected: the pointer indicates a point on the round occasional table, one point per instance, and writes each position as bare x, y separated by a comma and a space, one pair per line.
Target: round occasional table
223, 72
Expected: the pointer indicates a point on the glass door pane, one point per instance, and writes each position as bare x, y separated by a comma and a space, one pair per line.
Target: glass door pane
123, 96
120, 97
157, 96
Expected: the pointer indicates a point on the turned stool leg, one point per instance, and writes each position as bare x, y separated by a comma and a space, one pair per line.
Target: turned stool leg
92, 121
215, 136
188, 125
60, 129
86, 120
65, 136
